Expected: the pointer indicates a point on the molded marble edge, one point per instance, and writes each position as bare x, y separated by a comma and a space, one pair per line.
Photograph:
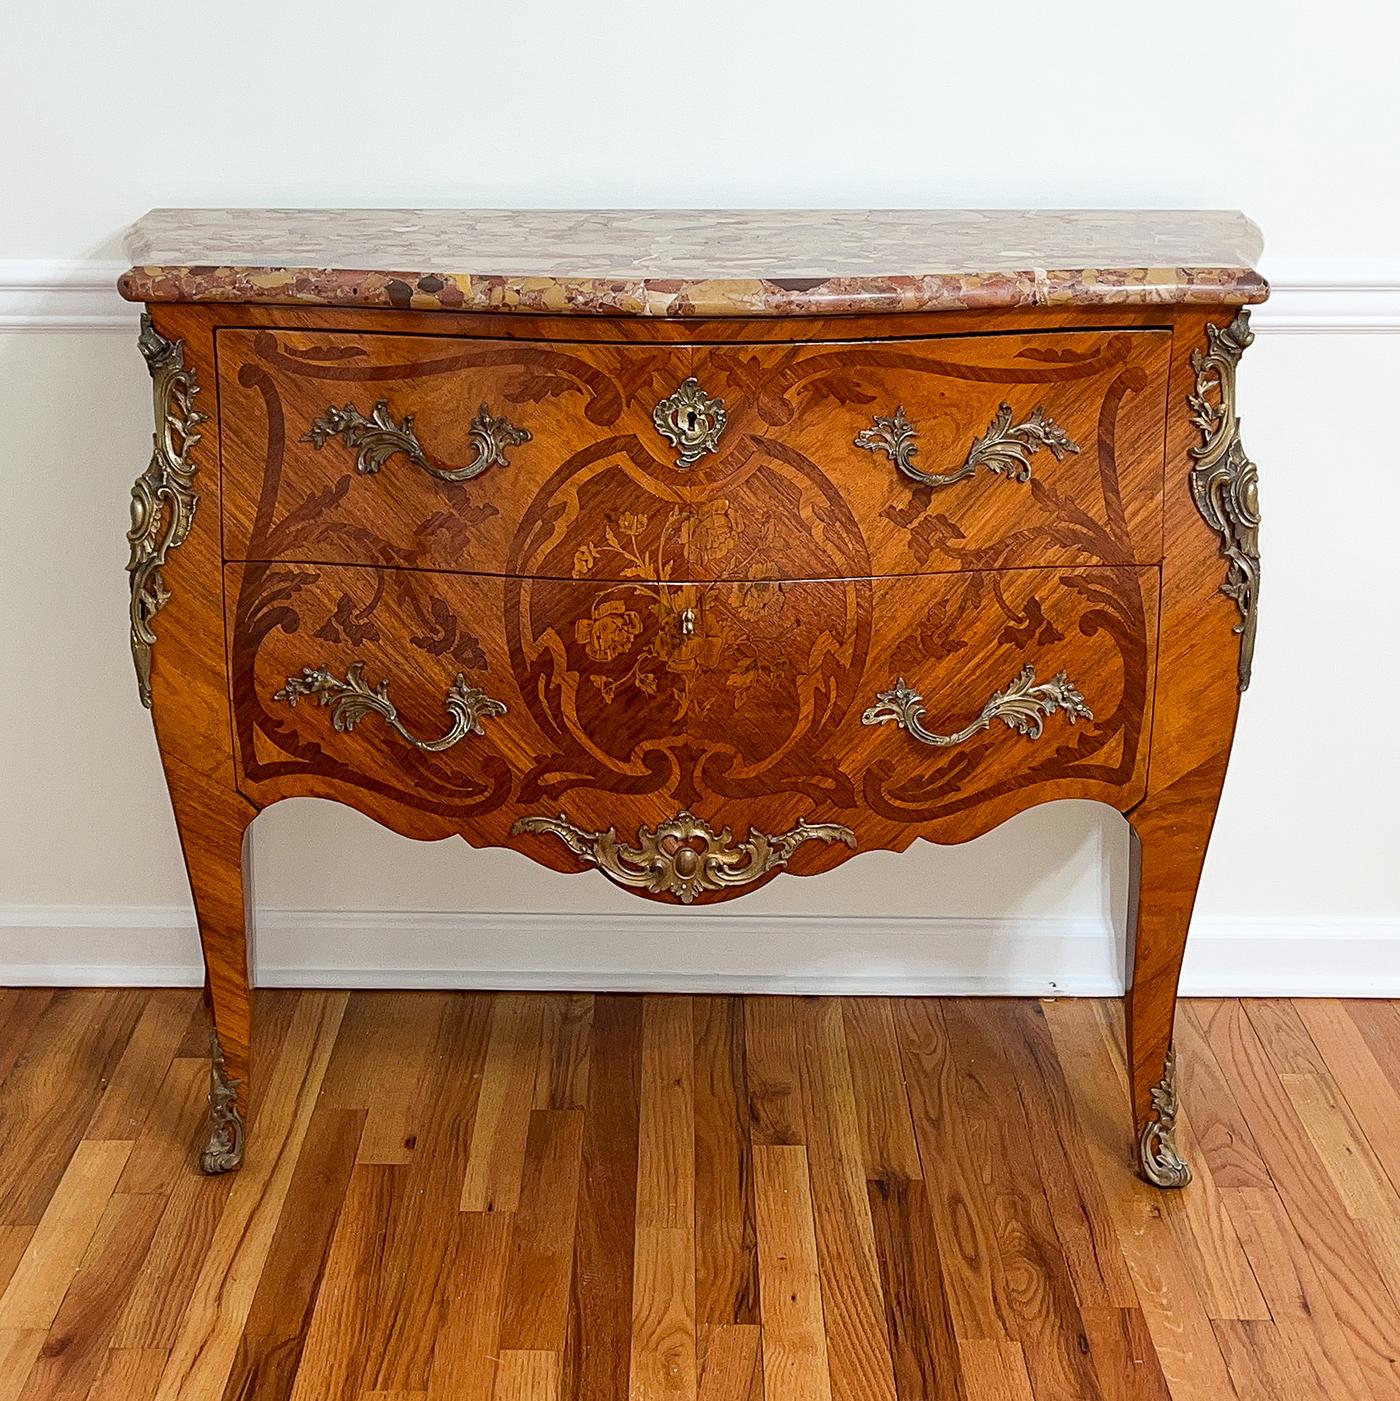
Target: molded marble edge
694, 263
675, 297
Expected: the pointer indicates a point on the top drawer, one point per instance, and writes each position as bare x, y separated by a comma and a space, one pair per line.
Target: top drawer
627, 461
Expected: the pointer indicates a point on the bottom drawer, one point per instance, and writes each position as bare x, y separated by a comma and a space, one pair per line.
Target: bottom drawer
928, 706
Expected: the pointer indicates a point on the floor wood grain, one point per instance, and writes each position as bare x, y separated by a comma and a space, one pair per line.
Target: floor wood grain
472, 1197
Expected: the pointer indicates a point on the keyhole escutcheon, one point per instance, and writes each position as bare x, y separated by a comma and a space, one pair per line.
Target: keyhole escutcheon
690, 420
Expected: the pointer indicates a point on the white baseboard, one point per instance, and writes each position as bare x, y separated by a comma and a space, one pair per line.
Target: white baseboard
1310, 295
687, 951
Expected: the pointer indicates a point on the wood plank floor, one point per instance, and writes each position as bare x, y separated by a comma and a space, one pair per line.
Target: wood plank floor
501, 1197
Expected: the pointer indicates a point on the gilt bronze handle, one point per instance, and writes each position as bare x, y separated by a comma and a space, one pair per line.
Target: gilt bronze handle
684, 856
374, 440
353, 699
1005, 448
1022, 706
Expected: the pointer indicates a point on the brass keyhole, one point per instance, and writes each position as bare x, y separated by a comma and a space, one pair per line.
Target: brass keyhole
690, 420
687, 622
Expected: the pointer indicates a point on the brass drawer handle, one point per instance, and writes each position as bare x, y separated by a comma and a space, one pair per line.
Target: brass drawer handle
1006, 447
353, 700
692, 421
375, 439
684, 856
1022, 706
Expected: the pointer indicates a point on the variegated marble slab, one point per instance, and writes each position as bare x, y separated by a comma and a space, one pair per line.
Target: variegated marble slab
694, 262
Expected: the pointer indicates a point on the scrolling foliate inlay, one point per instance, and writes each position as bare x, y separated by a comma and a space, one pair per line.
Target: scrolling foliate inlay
163, 498
374, 440
1224, 482
684, 856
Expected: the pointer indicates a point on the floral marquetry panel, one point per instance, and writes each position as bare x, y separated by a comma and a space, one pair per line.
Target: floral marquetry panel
621, 704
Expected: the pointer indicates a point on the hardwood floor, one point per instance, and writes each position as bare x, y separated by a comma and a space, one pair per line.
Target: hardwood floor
492, 1197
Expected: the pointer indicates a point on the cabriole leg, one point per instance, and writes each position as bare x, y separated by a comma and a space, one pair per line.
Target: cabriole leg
1170, 833
177, 645
217, 848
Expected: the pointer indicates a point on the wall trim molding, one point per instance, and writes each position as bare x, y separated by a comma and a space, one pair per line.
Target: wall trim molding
1311, 295
698, 951
63, 294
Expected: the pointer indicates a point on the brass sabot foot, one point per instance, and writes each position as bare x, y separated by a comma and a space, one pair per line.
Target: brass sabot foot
1158, 1160
224, 1151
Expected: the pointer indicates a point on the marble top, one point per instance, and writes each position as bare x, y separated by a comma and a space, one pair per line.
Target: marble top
712, 262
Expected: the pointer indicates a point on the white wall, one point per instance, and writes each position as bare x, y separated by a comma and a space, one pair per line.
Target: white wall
1284, 109
1288, 111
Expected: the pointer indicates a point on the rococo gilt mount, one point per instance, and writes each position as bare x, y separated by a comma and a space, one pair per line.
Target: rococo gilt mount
694, 548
